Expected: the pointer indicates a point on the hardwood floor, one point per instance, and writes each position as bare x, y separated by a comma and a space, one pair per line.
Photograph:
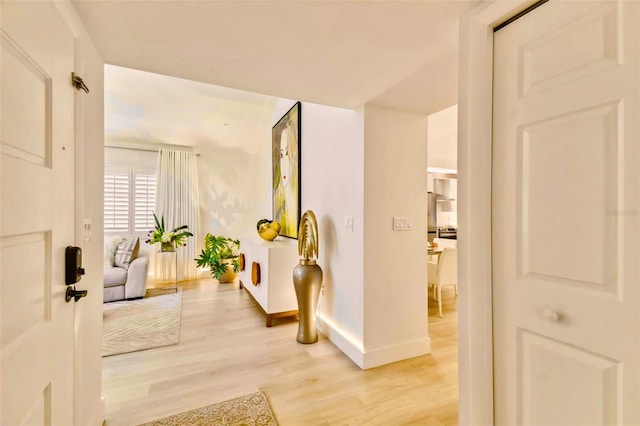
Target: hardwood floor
225, 351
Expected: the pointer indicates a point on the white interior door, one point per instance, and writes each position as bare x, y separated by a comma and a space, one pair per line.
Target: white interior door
565, 213
37, 214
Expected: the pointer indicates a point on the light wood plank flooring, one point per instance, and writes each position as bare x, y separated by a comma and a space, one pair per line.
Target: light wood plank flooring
225, 351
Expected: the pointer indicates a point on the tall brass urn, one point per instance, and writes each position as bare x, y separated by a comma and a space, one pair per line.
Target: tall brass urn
307, 278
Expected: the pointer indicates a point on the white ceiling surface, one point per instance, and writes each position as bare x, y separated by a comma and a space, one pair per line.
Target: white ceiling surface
400, 54
143, 108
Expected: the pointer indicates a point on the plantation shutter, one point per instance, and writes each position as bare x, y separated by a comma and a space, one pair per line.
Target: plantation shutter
116, 201
145, 199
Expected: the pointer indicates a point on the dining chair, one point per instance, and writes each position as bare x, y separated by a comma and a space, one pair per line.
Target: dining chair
444, 273
445, 242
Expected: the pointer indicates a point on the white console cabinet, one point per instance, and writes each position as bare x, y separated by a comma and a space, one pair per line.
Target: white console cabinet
274, 290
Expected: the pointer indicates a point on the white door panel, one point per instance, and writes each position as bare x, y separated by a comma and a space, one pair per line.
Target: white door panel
37, 215
565, 214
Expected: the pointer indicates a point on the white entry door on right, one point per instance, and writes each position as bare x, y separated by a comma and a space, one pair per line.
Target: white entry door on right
565, 215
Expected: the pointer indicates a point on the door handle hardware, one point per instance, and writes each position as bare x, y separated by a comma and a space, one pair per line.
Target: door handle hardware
255, 273
550, 315
77, 82
72, 293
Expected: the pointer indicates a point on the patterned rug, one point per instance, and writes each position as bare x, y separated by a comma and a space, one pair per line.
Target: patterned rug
139, 324
248, 410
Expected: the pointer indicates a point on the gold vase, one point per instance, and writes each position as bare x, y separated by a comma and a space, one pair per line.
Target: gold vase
307, 280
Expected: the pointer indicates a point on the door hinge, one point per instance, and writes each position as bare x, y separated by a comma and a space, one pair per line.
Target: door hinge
77, 82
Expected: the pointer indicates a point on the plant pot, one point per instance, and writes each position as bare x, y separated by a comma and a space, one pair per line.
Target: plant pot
230, 275
164, 247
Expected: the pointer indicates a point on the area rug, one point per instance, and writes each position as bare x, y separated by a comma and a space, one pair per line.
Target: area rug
248, 410
140, 324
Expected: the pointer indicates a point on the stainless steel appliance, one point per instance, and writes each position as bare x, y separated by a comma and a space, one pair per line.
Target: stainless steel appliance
447, 232
432, 215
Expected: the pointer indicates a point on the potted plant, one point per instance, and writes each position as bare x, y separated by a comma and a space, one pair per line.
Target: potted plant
168, 239
222, 256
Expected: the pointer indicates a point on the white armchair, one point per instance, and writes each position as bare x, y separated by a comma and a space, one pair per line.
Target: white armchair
126, 283
124, 279
443, 273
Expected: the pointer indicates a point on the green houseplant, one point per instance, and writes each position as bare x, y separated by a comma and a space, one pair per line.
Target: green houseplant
168, 239
222, 256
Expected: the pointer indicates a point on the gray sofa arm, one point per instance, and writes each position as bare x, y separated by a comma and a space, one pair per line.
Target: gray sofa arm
136, 284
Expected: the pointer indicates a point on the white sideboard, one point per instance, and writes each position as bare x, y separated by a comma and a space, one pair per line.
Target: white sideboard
276, 259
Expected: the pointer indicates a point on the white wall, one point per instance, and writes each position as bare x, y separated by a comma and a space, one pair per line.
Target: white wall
332, 186
332, 144
122, 157
368, 164
231, 200
442, 138
395, 268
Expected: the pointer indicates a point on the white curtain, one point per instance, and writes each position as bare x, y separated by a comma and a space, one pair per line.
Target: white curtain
177, 201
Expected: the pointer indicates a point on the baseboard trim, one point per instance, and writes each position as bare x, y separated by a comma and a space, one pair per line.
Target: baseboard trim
372, 358
348, 346
399, 352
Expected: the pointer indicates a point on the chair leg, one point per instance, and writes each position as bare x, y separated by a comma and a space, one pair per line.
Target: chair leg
440, 301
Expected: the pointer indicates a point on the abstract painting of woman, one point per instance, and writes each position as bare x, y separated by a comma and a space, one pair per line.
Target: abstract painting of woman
286, 172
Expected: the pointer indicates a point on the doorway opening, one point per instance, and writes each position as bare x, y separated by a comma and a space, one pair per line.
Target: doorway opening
442, 225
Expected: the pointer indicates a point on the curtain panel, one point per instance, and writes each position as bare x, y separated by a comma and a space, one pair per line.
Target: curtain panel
177, 201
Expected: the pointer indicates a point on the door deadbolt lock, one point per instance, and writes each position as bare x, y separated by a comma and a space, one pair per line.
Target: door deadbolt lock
73, 265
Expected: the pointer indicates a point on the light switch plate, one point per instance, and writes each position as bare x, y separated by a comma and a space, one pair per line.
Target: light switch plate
402, 223
348, 222
87, 233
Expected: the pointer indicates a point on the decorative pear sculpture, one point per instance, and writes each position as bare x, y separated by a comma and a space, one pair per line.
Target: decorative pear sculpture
307, 278
268, 230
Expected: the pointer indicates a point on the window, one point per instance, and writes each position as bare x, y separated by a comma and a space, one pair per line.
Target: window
145, 202
129, 200
116, 201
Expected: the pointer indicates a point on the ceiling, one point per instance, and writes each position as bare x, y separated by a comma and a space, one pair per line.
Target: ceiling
399, 54
143, 108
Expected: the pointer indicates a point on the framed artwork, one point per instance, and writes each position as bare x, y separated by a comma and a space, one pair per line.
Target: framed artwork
285, 145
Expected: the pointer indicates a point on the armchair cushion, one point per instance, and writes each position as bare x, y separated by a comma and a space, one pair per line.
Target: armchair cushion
126, 252
110, 248
114, 276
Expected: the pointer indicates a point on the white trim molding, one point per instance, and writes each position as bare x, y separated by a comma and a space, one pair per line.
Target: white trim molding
405, 350
353, 348
475, 90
